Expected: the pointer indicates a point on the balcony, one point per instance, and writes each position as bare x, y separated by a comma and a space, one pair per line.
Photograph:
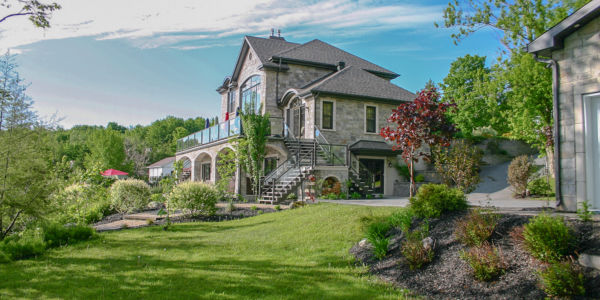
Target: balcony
221, 131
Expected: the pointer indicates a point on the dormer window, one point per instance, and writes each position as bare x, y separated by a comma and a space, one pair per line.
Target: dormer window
251, 94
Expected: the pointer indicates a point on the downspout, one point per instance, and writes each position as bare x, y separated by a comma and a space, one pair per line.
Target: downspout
556, 112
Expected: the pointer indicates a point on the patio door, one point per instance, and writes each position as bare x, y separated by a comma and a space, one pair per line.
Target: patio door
592, 149
376, 168
297, 121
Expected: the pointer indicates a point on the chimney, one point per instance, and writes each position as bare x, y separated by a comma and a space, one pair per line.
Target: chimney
276, 37
341, 65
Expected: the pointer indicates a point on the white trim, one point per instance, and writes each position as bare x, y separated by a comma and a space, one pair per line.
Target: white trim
589, 172
376, 119
332, 115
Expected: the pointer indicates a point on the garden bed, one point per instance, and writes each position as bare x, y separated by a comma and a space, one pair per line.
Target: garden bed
448, 276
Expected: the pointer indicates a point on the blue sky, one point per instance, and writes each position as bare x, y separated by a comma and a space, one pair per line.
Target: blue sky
137, 62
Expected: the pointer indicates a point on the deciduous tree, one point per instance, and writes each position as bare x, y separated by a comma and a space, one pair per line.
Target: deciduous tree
39, 13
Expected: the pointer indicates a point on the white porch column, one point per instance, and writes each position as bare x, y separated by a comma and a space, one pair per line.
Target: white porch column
193, 170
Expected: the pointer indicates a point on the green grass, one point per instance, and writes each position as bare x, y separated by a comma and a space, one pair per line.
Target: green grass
293, 254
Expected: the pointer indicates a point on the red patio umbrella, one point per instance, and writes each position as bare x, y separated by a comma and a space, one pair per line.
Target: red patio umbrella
113, 172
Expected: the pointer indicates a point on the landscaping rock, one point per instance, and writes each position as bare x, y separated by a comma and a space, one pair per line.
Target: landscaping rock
155, 205
427, 243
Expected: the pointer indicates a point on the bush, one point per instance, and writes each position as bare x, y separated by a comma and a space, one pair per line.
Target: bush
476, 228
230, 207
376, 235
419, 178
291, 196
129, 195
562, 279
369, 196
519, 171
332, 196
548, 238
584, 212
157, 198
81, 203
415, 251
56, 235
253, 208
18, 248
402, 218
298, 204
355, 195
277, 207
484, 131
343, 196
486, 261
540, 187
459, 165
4, 258
403, 171
432, 200
198, 198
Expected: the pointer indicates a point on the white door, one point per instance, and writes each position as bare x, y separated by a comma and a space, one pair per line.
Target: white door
592, 149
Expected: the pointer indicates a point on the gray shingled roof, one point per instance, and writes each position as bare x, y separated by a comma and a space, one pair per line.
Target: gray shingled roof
265, 48
372, 147
323, 53
353, 81
162, 162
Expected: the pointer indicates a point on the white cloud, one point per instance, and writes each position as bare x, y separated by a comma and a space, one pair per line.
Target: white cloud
174, 23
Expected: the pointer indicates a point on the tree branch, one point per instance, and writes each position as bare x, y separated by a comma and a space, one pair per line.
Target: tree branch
11, 225
15, 15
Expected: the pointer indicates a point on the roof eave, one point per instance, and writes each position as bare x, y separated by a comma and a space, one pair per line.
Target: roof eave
357, 97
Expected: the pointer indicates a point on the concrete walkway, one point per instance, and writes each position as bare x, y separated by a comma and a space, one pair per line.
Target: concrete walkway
474, 200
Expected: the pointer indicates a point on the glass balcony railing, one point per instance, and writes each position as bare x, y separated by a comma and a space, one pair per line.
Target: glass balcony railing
214, 133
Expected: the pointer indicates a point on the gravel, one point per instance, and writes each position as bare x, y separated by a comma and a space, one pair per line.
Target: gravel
449, 277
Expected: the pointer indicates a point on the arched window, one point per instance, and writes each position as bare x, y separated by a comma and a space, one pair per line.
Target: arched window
251, 94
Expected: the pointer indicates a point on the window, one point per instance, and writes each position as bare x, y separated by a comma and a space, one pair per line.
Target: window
371, 119
231, 101
270, 164
327, 117
251, 94
206, 172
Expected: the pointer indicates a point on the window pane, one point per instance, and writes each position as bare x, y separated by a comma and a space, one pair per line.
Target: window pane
327, 115
371, 121
251, 94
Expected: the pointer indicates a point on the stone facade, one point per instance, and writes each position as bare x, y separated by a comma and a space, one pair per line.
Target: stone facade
579, 69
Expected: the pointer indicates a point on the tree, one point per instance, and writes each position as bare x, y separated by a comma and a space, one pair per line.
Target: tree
39, 13
24, 181
251, 147
478, 102
137, 154
107, 150
422, 121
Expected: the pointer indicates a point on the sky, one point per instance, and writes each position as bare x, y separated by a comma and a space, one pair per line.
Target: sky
136, 61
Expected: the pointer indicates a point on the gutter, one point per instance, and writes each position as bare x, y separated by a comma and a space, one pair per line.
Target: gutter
556, 111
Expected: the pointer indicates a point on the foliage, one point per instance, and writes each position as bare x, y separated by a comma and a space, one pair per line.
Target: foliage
39, 13
562, 279
18, 248
129, 195
369, 196
584, 212
81, 203
376, 235
548, 238
403, 171
56, 235
419, 178
226, 168
332, 196
253, 208
477, 227
485, 132
434, 199
486, 261
137, 154
331, 186
106, 149
355, 195
298, 204
402, 218
414, 250
519, 171
230, 207
291, 196
343, 196
458, 165
197, 197
540, 187
277, 207
419, 122
251, 147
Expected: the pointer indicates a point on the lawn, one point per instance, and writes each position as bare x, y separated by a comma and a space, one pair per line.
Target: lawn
296, 254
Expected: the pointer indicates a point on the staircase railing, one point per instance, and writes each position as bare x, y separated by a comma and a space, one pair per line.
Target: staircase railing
360, 167
333, 158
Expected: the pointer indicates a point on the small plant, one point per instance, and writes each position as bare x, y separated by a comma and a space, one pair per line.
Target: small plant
56, 235
149, 222
253, 208
332, 196
291, 196
540, 187
519, 171
376, 235
230, 207
22, 248
434, 199
402, 218
562, 279
476, 228
277, 207
124, 226
343, 196
298, 204
403, 171
355, 195
485, 131
416, 249
584, 212
369, 196
548, 238
486, 261
420, 178
458, 165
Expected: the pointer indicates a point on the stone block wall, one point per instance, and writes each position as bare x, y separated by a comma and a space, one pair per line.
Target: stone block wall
579, 69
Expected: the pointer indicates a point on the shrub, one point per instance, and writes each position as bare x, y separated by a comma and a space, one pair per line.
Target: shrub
22, 248
484, 131
298, 204
476, 228
343, 196
562, 279
402, 218
459, 165
369, 196
540, 187
403, 171
416, 252
434, 199
4, 258
519, 171
230, 207
277, 207
332, 196
486, 261
584, 212
548, 238
355, 195
157, 198
149, 222
56, 235
291, 196
376, 235
253, 208
419, 178
97, 212
198, 198
129, 194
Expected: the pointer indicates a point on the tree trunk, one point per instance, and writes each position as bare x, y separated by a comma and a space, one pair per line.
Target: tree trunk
550, 161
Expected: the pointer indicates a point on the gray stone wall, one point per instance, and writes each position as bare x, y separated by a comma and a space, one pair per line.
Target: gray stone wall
579, 67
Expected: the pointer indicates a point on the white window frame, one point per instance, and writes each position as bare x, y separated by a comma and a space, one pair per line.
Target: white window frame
376, 118
333, 115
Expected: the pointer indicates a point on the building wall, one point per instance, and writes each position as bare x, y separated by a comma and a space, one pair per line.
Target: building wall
579, 67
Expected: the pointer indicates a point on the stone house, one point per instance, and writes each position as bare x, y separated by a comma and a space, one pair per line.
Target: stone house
572, 49
326, 108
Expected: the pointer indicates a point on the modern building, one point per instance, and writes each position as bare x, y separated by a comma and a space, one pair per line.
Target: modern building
326, 108
572, 48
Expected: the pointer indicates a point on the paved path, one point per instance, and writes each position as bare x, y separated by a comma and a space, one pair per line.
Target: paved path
473, 200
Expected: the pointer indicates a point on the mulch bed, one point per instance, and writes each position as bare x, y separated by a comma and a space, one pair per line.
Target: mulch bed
223, 215
449, 277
